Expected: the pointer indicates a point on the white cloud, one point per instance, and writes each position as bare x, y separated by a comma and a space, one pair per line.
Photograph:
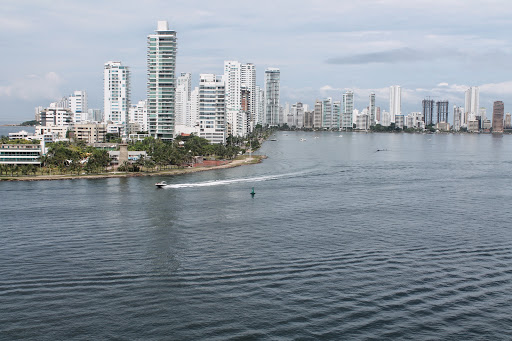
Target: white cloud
34, 87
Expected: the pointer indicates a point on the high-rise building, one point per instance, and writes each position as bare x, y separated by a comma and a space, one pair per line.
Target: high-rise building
348, 110
336, 114
395, 101
248, 81
78, 105
428, 111
327, 113
212, 112
260, 105
497, 117
458, 113
183, 90
240, 78
508, 121
472, 104
194, 108
161, 86
442, 111
385, 119
371, 110
272, 80
116, 97
317, 114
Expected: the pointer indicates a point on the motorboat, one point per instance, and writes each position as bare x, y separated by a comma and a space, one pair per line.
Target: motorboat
161, 184
302, 140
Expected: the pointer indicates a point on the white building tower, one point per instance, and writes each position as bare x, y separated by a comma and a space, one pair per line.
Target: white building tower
161, 88
371, 110
260, 105
212, 115
78, 105
472, 105
395, 102
348, 109
183, 90
192, 121
116, 98
248, 80
272, 80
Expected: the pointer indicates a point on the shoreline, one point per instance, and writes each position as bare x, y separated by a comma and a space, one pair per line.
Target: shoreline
244, 160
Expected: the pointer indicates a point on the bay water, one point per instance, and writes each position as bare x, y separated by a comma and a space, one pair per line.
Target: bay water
349, 236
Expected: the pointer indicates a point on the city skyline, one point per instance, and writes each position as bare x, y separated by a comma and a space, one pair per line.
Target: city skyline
319, 55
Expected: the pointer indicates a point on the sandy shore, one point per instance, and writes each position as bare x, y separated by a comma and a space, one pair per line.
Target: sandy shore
243, 160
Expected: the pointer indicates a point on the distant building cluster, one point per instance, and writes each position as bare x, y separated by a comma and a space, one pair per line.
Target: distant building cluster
341, 115
232, 104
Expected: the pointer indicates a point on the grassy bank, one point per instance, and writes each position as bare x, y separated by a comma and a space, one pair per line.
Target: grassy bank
239, 161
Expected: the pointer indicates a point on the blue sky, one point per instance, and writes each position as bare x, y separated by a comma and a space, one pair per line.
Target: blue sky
430, 48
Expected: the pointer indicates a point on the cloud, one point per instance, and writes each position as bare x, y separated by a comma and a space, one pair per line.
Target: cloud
390, 56
34, 87
501, 89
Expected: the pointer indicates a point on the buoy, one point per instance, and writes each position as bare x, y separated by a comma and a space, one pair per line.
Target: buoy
252, 193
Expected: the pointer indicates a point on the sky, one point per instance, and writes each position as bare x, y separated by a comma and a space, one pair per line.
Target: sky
434, 48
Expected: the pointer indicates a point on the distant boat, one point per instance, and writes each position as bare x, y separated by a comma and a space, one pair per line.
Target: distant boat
161, 184
302, 140
340, 136
273, 139
316, 137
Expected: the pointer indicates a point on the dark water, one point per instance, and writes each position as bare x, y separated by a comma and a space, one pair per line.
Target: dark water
340, 242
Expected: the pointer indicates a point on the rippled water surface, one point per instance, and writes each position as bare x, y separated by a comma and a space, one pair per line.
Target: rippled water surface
341, 242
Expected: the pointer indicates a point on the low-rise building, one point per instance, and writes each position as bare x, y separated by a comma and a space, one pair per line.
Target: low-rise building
133, 156
89, 132
20, 154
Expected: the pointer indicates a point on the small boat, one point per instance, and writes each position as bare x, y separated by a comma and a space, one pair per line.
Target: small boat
273, 139
302, 140
161, 184
340, 136
316, 137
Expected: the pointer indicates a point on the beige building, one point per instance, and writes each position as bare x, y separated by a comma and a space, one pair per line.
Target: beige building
89, 132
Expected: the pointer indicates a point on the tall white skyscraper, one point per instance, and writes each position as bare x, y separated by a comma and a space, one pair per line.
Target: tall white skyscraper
116, 98
260, 105
472, 104
395, 101
192, 121
458, 114
78, 105
240, 79
272, 80
161, 88
371, 110
336, 114
327, 113
183, 90
212, 114
248, 81
348, 110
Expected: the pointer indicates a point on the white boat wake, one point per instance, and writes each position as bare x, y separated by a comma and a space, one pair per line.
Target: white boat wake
232, 181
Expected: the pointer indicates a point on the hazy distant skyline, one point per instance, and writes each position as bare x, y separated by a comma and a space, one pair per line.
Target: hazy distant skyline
429, 48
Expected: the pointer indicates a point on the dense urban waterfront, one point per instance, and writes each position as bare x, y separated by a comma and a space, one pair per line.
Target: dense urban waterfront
349, 236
